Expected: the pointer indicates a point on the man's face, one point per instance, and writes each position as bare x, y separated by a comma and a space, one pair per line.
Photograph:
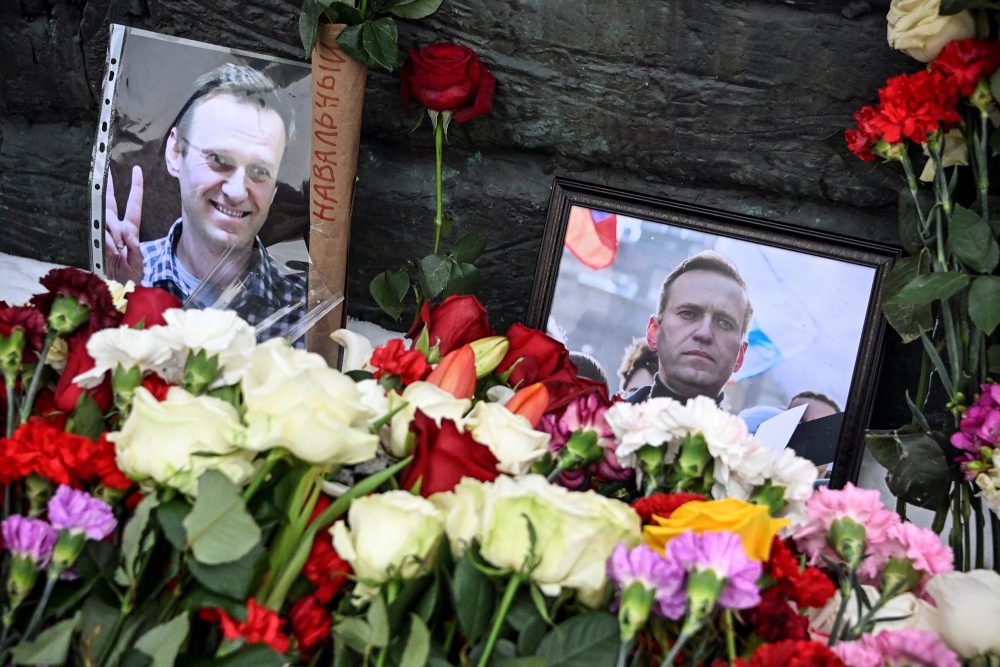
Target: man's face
227, 166
699, 339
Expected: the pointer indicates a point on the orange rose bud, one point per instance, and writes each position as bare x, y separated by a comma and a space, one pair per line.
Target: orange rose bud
456, 373
530, 402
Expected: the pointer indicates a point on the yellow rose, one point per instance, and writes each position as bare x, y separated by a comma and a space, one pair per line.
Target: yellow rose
753, 523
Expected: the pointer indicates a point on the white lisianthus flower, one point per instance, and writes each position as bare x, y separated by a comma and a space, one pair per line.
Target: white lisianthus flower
989, 488
968, 605
917, 28
653, 422
125, 347
220, 333
430, 399
173, 442
294, 400
391, 534
575, 533
509, 436
119, 293
795, 475
357, 350
901, 612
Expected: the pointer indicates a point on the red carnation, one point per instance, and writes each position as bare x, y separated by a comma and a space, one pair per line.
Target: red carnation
792, 653
31, 321
966, 61
443, 456
263, 626
448, 77
458, 320
774, 619
394, 359
662, 505
808, 587
861, 140
40, 447
146, 306
913, 106
325, 568
86, 288
310, 623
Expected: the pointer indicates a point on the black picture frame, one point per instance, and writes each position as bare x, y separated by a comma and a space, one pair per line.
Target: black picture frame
731, 227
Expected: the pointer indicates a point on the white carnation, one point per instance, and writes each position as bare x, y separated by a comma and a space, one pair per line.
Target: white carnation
125, 347
220, 333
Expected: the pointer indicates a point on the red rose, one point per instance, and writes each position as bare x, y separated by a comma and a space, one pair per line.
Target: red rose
146, 306
78, 361
662, 505
393, 359
456, 321
966, 61
448, 77
443, 455
310, 623
792, 653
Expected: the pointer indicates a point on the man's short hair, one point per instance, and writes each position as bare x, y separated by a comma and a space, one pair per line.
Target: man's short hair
816, 396
706, 260
637, 357
242, 82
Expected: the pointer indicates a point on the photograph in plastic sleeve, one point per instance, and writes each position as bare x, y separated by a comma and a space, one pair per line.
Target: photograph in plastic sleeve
201, 179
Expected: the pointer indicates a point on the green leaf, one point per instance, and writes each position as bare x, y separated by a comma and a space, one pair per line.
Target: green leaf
308, 20
163, 642
351, 42
87, 419
219, 528
469, 248
418, 644
909, 321
462, 279
379, 39
132, 539
984, 303
389, 288
417, 9
883, 446
971, 240
993, 358
342, 12
909, 218
236, 579
474, 598
51, 647
921, 475
434, 273
588, 639
930, 287
170, 515
355, 633
378, 621
532, 661
254, 655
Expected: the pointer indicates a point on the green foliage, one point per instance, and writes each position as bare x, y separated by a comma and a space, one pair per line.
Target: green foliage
219, 528
917, 464
474, 598
389, 289
163, 642
984, 303
51, 647
87, 419
929, 287
971, 240
589, 638
909, 320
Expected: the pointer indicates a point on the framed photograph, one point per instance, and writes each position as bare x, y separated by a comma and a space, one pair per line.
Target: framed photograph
781, 325
200, 179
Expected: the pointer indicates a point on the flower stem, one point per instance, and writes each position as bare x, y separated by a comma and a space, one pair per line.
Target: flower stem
984, 174
29, 398
438, 160
36, 617
261, 475
623, 650
675, 650
508, 598
9, 386
845, 596
727, 624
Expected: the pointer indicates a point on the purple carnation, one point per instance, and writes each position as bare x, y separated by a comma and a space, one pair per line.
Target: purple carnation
29, 538
79, 512
723, 554
640, 564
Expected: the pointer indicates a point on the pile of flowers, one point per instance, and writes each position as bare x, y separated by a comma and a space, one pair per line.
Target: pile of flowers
175, 491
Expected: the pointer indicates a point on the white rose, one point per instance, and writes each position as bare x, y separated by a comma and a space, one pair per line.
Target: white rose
509, 436
968, 606
916, 28
125, 347
430, 399
220, 333
294, 400
462, 509
394, 533
373, 397
902, 611
575, 532
357, 350
173, 442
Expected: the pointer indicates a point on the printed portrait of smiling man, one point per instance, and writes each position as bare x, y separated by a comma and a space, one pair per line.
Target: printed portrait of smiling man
225, 150
699, 332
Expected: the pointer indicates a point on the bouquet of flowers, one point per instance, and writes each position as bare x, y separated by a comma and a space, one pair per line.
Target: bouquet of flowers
182, 494
946, 293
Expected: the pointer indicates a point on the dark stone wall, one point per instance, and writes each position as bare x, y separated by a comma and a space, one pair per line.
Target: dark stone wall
735, 104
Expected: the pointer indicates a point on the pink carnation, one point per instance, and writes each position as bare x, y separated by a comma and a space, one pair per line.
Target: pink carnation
585, 413
864, 507
923, 547
911, 647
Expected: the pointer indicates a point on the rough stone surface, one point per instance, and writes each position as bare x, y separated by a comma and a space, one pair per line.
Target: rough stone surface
737, 105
